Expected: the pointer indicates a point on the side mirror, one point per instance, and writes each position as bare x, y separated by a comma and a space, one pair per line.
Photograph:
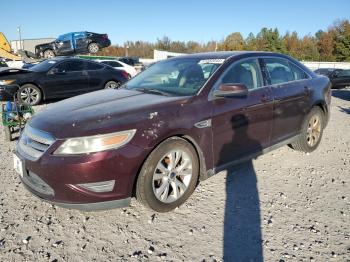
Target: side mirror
231, 90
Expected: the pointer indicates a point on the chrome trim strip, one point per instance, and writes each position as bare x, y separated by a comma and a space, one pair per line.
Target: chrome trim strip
38, 135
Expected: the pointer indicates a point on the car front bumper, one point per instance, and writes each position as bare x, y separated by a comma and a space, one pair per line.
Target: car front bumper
7, 92
59, 179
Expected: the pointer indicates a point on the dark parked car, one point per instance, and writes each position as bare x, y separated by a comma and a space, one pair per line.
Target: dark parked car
340, 78
60, 78
73, 43
325, 71
132, 61
169, 127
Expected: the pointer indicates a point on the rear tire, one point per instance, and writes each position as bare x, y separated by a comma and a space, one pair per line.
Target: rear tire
169, 175
29, 94
93, 48
49, 53
112, 84
311, 133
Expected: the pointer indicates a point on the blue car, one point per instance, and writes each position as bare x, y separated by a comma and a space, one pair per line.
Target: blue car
73, 43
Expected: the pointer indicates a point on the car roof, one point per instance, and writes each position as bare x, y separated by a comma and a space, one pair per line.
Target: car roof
69, 58
110, 60
226, 54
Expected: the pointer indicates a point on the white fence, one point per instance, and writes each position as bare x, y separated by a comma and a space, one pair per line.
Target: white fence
317, 65
161, 55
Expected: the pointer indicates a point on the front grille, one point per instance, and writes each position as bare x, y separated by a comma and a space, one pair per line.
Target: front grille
33, 143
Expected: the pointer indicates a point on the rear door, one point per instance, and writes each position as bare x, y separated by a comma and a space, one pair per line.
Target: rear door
241, 126
291, 93
97, 75
68, 78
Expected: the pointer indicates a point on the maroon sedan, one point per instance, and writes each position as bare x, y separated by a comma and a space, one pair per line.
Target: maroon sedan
178, 122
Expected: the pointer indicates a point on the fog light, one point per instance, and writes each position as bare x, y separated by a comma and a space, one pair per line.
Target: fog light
99, 187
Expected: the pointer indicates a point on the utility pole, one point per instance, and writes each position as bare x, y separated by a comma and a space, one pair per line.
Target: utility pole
20, 37
126, 50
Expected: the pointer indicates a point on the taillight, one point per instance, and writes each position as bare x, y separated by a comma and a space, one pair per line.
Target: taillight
125, 74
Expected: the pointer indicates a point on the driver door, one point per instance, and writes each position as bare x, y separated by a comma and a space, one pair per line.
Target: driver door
241, 126
64, 44
67, 79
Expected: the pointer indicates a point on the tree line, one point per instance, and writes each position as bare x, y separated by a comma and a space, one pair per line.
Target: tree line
330, 45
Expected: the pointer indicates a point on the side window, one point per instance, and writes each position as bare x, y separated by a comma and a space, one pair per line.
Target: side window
246, 72
344, 73
114, 64
70, 66
93, 66
208, 69
298, 73
279, 70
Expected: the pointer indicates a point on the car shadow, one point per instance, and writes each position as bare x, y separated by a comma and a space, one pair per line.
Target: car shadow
342, 94
242, 222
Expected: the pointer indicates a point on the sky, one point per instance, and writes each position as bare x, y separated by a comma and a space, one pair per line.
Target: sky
181, 20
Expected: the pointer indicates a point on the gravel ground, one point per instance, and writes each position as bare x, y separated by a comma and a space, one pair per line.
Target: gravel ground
283, 206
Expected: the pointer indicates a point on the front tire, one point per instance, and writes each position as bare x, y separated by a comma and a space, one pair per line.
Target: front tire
29, 94
311, 132
49, 53
93, 48
169, 175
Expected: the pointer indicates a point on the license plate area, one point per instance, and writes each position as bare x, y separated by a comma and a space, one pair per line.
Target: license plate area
18, 165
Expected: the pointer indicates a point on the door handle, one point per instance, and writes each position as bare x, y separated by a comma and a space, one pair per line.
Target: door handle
84, 73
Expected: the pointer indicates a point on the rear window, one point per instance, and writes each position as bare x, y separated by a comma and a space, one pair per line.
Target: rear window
93, 66
279, 70
298, 73
112, 63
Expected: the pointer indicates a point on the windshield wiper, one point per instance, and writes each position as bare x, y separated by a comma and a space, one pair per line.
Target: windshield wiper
153, 91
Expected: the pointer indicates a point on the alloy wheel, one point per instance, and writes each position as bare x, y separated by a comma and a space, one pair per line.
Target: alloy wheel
112, 85
29, 95
314, 130
172, 176
93, 48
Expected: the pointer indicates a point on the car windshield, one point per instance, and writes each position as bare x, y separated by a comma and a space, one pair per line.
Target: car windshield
43, 66
177, 77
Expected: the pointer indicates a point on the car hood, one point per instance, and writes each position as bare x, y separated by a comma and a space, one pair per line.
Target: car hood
100, 112
13, 71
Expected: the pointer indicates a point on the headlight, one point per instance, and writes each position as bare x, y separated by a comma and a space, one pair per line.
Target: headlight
92, 144
6, 82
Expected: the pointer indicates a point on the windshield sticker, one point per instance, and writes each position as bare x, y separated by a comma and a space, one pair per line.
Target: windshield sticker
211, 61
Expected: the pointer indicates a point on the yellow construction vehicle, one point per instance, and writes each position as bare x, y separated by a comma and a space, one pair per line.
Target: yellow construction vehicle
5, 49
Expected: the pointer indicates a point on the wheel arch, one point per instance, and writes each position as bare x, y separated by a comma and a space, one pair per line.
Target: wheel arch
324, 108
38, 86
111, 79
